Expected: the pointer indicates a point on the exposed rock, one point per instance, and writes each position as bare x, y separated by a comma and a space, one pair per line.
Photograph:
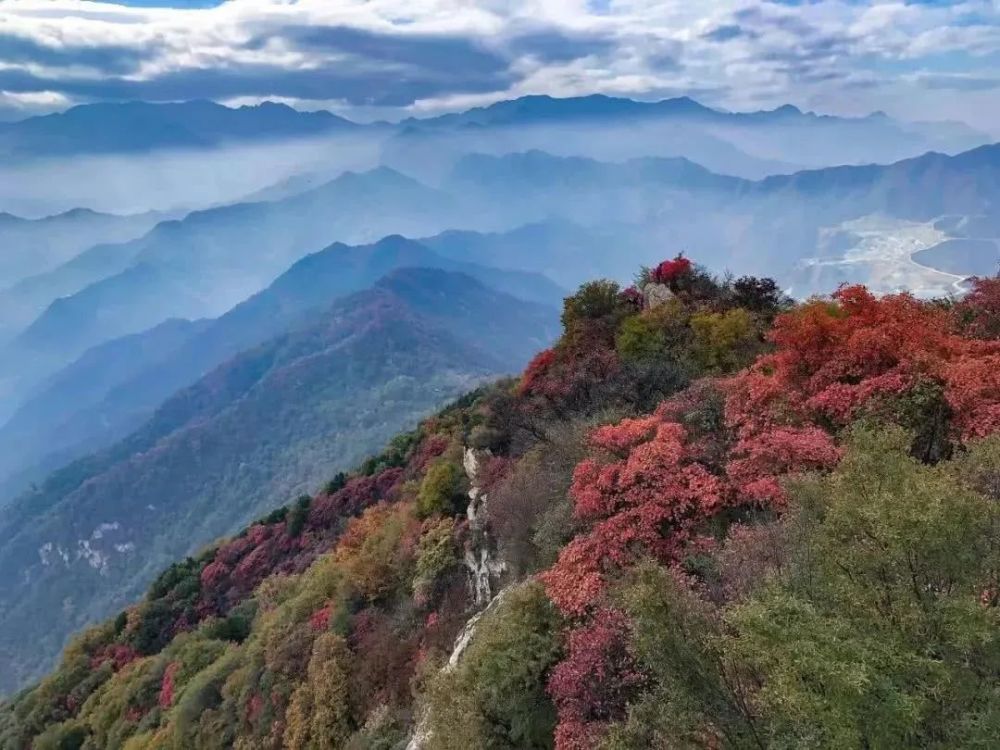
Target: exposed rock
485, 568
421, 732
654, 295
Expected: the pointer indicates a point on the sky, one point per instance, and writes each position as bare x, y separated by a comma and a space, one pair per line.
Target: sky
367, 59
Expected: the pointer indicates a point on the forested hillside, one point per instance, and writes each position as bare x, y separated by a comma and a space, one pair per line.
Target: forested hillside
253, 432
707, 517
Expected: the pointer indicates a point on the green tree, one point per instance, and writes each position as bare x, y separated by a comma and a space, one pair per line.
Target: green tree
441, 490
496, 698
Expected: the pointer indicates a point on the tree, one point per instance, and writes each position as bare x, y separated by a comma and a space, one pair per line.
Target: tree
496, 698
593, 686
649, 500
319, 714
441, 490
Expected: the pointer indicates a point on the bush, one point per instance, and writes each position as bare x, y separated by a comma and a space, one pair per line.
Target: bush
496, 699
529, 511
298, 514
436, 556
441, 490
593, 301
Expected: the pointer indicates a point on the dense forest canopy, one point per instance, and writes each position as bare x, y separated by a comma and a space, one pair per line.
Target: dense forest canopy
707, 517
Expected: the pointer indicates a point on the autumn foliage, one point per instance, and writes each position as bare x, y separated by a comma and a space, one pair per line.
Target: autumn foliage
647, 498
650, 450
669, 271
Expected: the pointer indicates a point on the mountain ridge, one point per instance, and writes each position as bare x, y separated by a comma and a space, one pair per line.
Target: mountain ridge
372, 363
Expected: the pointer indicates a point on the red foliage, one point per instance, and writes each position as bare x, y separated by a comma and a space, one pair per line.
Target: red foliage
536, 371
242, 563
836, 359
430, 448
978, 314
647, 501
319, 620
166, 699
670, 270
760, 461
255, 706
358, 494
117, 654
572, 374
593, 684
385, 657
493, 470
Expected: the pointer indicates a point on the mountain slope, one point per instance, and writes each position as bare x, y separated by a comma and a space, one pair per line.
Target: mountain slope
274, 420
32, 246
205, 264
22, 303
612, 550
59, 423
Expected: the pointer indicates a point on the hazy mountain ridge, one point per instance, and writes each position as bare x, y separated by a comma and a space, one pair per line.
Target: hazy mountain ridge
199, 267
205, 264
56, 424
275, 419
29, 247
142, 126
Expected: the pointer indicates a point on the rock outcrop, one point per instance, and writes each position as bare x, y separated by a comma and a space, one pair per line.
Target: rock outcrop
483, 564
654, 295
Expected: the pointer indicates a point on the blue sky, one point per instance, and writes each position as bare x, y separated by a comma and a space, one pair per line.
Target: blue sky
930, 59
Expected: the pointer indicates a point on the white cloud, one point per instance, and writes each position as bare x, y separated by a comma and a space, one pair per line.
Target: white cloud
401, 56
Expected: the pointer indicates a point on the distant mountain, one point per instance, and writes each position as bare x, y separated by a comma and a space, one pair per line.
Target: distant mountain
541, 108
544, 172
924, 187
430, 149
138, 127
33, 246
784, 134
561, 250
665, 203
732, 223
23, 302
113, 387
65, 418
275, 420
211, 260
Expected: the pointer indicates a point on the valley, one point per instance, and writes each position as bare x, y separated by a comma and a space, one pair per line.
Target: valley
884, 255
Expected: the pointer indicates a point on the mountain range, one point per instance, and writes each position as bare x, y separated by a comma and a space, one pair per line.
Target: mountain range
115, 386
33, 246
276, 419
167, 376
138, 127
206, 263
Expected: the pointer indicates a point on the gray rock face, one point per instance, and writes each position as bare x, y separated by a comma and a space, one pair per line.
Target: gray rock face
655, 295
485, 571
484, 567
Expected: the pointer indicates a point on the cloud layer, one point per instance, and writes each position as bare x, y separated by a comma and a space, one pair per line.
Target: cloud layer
927, 59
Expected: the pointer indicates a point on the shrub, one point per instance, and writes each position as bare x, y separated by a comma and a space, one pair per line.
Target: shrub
496, 698
593, 301
441, 490
298, 515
